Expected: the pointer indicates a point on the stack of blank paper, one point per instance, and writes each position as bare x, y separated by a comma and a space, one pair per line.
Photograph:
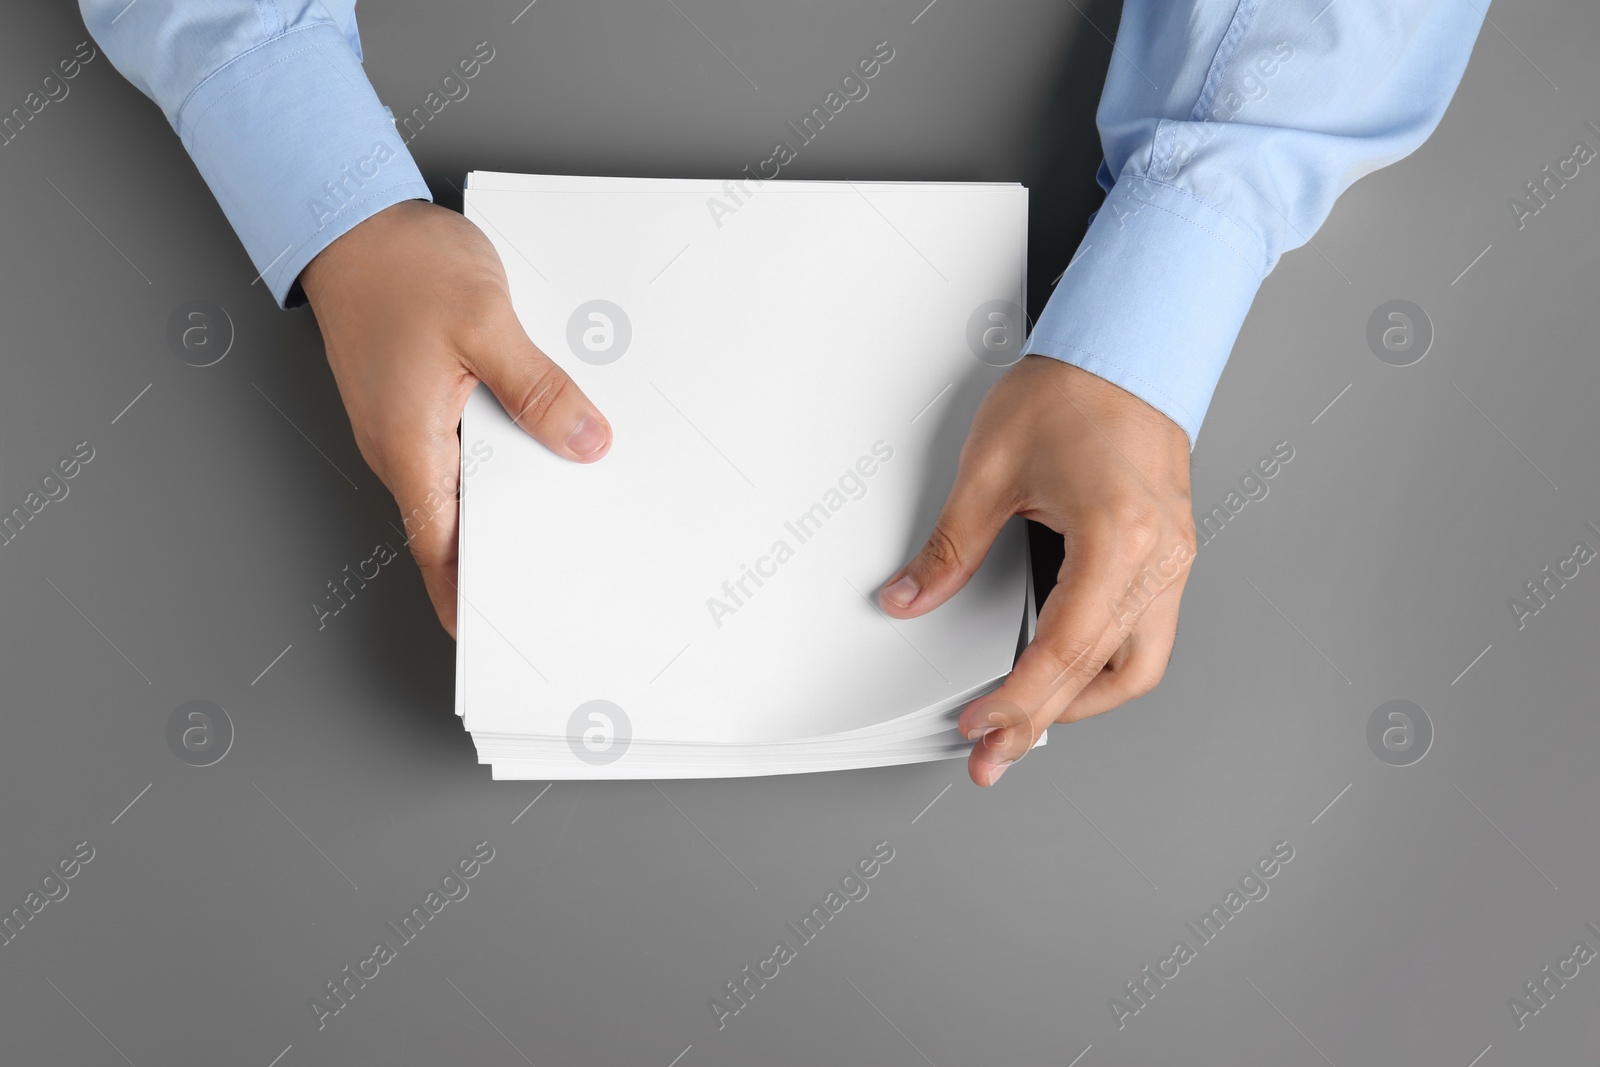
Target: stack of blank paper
790, 370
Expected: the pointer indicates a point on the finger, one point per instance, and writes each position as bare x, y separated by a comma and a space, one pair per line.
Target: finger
1078, 630
961, 538
1134, 669
538, 395
424, 480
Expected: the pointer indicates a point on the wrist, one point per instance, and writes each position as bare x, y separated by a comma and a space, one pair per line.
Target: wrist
344, 256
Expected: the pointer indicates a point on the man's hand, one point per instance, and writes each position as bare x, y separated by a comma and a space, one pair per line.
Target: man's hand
415, 312
1109, 473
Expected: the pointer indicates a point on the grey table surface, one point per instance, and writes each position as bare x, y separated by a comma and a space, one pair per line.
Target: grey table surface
221, 900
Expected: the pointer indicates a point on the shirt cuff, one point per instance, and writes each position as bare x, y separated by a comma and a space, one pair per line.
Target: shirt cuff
297, 150
1155, 297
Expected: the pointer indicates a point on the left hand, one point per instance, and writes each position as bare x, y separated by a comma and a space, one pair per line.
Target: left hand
1110, 473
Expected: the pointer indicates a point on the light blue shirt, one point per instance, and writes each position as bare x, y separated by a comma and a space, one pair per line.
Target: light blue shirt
269, 99
1229, 128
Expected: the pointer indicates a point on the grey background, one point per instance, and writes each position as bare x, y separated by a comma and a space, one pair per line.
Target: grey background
1378, 568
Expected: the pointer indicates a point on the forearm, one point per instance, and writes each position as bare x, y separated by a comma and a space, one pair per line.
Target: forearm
271, 102
1230, 129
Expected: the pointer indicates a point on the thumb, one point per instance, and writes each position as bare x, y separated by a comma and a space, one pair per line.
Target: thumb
961, 538
538, 395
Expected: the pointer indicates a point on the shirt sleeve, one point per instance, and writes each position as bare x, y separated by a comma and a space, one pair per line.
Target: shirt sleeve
1230, 127
270, 101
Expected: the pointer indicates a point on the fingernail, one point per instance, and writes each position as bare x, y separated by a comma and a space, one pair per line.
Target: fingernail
588, 437
903, 592
998, 770
980, 732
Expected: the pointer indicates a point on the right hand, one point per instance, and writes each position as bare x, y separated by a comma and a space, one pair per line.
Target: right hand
1110, 473
415, 312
